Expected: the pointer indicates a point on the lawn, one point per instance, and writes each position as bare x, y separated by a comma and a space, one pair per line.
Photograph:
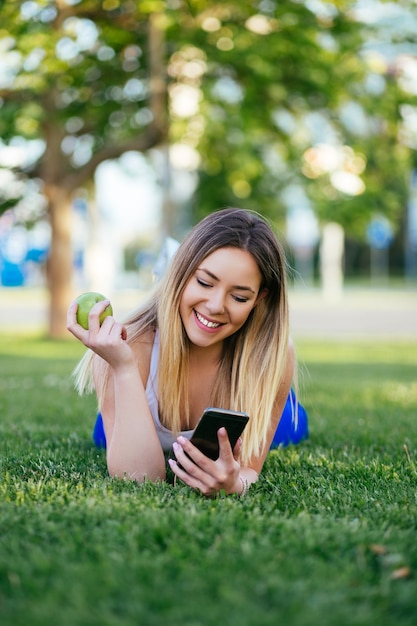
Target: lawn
327, 537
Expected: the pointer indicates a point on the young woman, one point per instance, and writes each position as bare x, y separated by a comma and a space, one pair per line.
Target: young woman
215, 332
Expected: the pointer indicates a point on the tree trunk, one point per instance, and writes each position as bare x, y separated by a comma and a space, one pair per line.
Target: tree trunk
59, 268
61, 181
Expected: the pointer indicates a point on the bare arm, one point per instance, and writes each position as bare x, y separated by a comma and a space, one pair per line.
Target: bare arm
133, 448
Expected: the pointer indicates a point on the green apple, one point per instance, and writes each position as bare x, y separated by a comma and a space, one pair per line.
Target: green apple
86, 301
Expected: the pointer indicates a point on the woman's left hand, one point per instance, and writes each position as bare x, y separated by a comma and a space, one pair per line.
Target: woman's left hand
199, 472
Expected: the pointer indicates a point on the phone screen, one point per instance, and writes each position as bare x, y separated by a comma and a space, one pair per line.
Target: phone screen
205, 434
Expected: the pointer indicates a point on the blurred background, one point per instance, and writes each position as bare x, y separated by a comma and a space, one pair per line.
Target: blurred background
124, 123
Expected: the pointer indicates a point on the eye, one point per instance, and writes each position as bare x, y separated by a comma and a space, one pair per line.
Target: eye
240, 298
202, 282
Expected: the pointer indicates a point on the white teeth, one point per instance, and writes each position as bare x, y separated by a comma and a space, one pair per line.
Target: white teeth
206, 322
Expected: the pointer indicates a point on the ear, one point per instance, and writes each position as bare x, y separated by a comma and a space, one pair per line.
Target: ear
261, 295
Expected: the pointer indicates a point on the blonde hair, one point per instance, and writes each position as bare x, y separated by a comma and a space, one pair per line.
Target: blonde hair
254, 359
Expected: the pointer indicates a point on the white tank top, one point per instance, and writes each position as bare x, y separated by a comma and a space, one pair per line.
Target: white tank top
166, 437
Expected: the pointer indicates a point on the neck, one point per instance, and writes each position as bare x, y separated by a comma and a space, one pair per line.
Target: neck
205, 356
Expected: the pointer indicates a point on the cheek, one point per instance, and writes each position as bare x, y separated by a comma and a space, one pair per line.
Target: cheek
182, 305
187, 300
186, 297
242, 314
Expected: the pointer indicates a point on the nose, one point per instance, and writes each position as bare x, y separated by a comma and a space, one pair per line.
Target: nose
215, 303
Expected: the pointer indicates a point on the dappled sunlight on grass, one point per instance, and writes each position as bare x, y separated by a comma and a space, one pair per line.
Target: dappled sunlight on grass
401, 394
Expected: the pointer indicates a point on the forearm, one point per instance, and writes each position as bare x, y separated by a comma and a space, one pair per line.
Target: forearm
134, 449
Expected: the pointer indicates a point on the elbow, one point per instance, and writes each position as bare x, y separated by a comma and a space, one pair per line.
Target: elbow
138, 474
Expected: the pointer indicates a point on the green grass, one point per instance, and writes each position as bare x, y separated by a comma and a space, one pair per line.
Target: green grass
327, 536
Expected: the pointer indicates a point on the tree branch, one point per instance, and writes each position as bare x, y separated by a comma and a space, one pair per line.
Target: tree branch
149, 138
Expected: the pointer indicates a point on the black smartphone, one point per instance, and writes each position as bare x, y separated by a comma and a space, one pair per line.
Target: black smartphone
205, 435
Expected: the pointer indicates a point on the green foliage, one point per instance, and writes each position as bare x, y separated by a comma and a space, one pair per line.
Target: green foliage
326, 537
78, 80
80, 57
269, 96
272, 78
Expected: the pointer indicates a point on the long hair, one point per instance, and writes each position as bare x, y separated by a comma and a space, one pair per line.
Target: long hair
254, 358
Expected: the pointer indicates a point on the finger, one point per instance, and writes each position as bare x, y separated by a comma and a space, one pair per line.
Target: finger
199, 474
237, 449
180, 471
114, 328
94, 315
72, 313
226, 452
190, 480
189, 452
72, 325
183, 459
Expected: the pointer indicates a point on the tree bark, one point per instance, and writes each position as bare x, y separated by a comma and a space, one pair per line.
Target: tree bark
61, 180
60, 261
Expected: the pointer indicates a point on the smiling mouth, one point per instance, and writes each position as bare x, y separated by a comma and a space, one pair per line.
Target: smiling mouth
205, 321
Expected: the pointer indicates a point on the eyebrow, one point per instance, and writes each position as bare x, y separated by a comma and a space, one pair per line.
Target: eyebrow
238, 287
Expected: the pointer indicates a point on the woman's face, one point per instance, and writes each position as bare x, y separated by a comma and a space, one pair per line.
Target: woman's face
220, 295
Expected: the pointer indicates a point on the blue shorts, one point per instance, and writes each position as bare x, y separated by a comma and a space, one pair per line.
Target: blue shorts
286, 433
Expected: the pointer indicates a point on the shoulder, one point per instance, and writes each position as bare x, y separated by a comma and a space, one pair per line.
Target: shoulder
142, 347
291, 358
144, 343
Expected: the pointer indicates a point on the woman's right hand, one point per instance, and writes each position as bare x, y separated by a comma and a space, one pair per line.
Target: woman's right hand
107, 340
